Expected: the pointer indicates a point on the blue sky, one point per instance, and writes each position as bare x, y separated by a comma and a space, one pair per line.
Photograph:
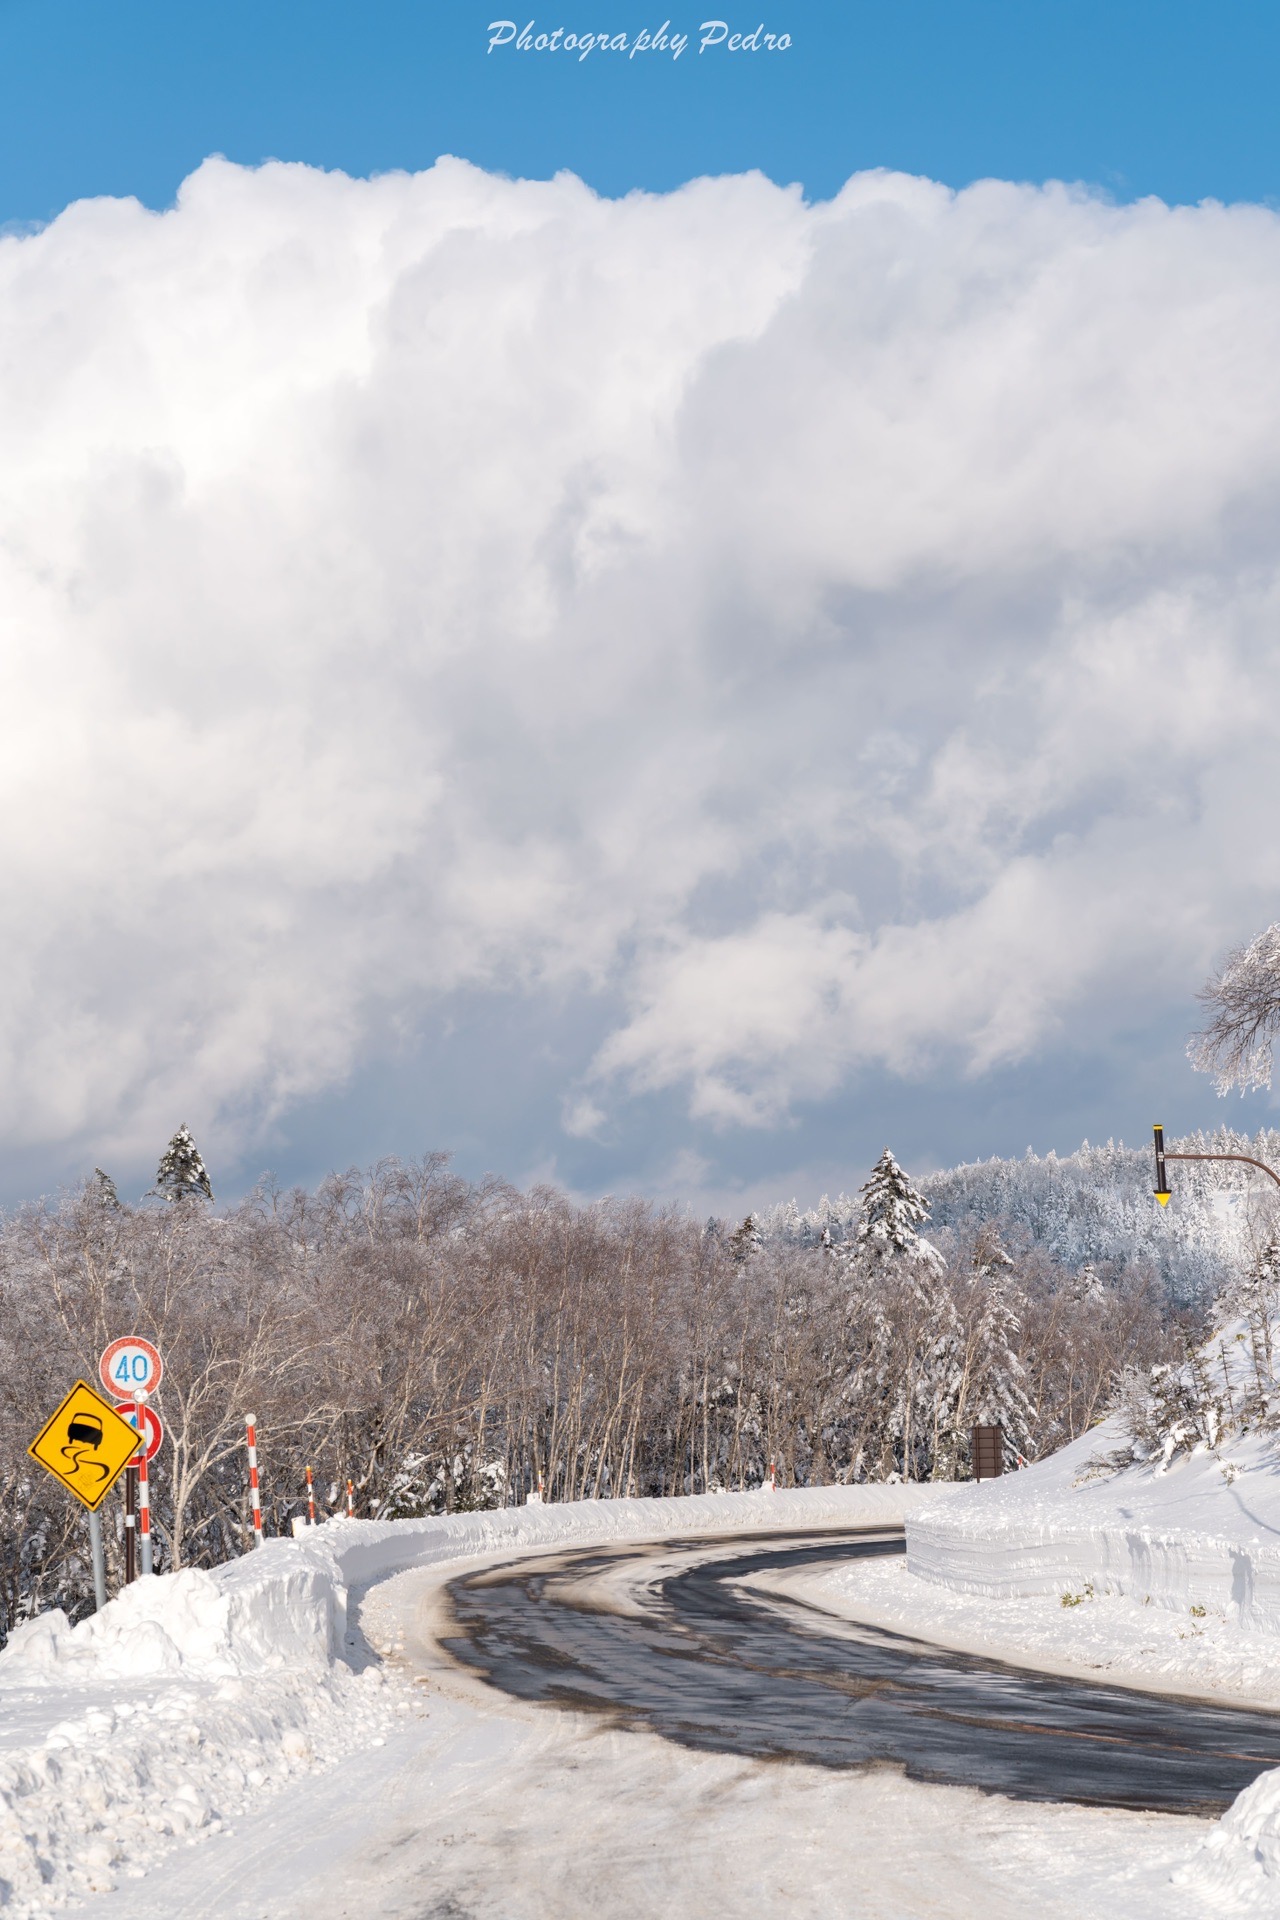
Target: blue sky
1175, 99
813, 949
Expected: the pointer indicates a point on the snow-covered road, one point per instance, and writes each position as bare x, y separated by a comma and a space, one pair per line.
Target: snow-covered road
693, 1653
189, 1755
486, 1808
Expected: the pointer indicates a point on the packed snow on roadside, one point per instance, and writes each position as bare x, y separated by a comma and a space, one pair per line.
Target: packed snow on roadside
1202, 1531
1161, 1573
197, 1695
199, 1701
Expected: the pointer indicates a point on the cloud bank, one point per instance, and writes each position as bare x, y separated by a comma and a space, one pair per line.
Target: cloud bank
824, 636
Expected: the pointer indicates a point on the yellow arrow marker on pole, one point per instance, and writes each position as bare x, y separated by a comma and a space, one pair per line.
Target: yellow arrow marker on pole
86, 1445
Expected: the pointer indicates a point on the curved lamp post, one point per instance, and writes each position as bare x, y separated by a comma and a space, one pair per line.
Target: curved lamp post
1162, 1183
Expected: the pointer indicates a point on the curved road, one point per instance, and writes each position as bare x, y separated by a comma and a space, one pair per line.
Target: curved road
703, 1662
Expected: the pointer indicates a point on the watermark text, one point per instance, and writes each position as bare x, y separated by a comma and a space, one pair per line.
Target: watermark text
665, 40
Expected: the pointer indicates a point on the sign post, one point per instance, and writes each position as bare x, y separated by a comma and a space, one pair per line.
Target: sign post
87, 1446
150, 1430
99, 1561
131, 1369
130, 1525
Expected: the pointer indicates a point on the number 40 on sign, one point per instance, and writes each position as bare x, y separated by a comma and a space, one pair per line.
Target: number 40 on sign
129, 1367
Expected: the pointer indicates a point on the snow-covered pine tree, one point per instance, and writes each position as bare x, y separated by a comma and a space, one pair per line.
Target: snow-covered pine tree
1087, 1286
896, 1315
745, 1240
102, 1188
1254, 1298
998, 1396
181, 1174
890, 1217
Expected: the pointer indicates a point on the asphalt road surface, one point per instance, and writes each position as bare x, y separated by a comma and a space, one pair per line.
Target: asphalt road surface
697, 1659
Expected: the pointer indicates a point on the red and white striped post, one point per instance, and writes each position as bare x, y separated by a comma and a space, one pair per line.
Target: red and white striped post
311, 1500
144, 1494
351, 1499
773, 1478
251, 1441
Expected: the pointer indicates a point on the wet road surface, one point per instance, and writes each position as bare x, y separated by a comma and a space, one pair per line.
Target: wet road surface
711, 1666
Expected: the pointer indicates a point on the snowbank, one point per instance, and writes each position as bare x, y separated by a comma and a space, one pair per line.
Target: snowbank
284, 1607
1203, 1532
195, 1695
1237, 1867
1103, 1637
1201, 1537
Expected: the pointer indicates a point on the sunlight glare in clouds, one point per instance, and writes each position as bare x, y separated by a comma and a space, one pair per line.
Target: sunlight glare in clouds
842, 634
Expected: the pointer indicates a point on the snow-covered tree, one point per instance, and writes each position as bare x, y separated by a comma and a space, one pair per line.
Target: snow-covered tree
102, 1188
1087, 1286
997, 1394
900, 1321
1243, 1002
182, 1174
745, 1239
891, 1215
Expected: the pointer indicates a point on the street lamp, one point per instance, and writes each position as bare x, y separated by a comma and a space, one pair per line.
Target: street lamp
1162, 1182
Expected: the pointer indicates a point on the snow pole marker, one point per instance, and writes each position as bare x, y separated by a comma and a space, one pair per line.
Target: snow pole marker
773, 1478
351, 1499
251, 1442
144, 1503
311, 1500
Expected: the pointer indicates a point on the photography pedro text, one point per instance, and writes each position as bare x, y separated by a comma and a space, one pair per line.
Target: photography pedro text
711, 34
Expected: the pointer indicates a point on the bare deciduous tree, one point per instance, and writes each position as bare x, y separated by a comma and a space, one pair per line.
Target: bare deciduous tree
1237, 1043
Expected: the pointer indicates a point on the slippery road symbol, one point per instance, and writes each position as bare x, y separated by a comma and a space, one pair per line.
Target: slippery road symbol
84, 1430
86, 1445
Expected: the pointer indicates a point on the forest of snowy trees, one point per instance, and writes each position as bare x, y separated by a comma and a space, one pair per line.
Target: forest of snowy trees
446, 1344
1092, 1206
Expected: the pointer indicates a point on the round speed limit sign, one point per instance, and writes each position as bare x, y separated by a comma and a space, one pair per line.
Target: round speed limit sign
130, 1366
148, 1423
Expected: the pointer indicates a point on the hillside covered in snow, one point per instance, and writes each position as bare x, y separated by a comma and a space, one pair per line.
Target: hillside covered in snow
1093, 1206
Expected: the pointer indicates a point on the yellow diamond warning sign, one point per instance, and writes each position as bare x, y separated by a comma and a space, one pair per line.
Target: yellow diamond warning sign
86, 1445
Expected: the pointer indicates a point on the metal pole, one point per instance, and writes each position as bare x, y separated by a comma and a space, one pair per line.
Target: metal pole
1163, 1153
130, 1525
99, 1561
1162, 1178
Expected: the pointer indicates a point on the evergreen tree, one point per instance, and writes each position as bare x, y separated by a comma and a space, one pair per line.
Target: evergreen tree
103, 1189
745, 1240
890, 1216
181, 1174
1087, 1286
999, 1397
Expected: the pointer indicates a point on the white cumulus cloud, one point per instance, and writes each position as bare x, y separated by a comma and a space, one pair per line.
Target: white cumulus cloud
832, 635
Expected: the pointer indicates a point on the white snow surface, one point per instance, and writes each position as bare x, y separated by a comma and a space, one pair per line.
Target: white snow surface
195, 1695
1203, 1531
1197, 1539
276, 1710
1099, 1637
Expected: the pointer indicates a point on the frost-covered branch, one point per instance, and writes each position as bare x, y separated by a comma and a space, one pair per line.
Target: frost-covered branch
1242, 999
